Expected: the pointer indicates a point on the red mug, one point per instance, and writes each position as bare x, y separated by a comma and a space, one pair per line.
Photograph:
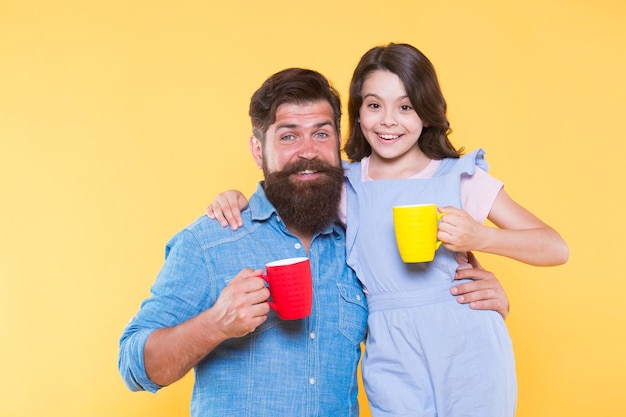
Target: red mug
291, 287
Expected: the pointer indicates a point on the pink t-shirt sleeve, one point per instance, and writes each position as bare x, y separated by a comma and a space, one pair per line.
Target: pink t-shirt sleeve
478, 193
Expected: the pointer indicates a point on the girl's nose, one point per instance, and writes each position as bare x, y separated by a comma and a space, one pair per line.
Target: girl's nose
388, 119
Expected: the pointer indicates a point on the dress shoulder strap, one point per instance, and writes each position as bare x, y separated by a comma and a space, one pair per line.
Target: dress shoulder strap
465, 165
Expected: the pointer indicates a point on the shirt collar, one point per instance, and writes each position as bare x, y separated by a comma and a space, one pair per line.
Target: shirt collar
260, 207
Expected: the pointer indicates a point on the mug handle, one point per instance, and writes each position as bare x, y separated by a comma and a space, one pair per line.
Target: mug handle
439, 216
266, 278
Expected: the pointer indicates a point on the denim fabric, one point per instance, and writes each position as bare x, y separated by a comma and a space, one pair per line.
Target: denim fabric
284, 368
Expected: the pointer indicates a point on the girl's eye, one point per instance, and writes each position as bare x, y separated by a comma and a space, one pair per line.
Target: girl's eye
406, 107
373, 106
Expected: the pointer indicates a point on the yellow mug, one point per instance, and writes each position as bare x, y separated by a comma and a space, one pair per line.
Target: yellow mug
416, 231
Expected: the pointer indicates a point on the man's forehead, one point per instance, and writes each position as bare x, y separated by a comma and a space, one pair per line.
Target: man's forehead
304, 114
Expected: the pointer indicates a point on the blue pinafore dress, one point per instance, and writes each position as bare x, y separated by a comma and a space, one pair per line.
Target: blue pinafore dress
425, 354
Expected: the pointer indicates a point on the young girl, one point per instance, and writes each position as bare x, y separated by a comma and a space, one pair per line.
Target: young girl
426, 354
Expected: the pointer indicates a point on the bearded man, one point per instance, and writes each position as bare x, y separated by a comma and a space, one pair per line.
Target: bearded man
208, 308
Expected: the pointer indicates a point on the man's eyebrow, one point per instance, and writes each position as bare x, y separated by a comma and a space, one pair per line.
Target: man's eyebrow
295, 126
326, 123
286, 126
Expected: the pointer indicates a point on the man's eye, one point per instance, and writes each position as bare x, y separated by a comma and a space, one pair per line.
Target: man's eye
321, 135
287, 138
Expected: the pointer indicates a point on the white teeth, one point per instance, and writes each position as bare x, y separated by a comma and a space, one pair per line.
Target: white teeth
308, 171
389, 136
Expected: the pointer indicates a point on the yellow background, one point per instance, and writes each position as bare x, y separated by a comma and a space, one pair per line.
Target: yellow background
121, 120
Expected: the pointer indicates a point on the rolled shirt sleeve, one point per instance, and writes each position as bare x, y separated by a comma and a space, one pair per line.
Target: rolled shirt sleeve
179, 293
130, 361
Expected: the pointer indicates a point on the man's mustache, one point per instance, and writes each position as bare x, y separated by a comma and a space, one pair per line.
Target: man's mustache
314, 165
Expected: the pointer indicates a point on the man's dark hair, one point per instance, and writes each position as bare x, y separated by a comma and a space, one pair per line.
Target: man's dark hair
291, 86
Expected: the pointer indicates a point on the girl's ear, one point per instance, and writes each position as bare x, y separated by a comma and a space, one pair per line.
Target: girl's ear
257, 151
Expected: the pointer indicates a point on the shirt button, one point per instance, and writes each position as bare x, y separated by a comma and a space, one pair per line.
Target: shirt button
312, 381
297, 246
312, 335
358, 297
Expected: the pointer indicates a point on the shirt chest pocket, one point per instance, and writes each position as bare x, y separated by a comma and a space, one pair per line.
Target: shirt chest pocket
352, 312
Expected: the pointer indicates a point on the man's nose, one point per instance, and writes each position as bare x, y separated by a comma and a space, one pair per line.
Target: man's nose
308, 149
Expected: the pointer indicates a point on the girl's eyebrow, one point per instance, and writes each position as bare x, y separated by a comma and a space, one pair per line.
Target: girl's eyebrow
406, 96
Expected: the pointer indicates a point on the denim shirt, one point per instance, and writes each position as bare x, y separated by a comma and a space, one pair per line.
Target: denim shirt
284, 368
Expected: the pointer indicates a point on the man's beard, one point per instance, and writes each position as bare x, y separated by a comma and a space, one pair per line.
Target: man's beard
308, 206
